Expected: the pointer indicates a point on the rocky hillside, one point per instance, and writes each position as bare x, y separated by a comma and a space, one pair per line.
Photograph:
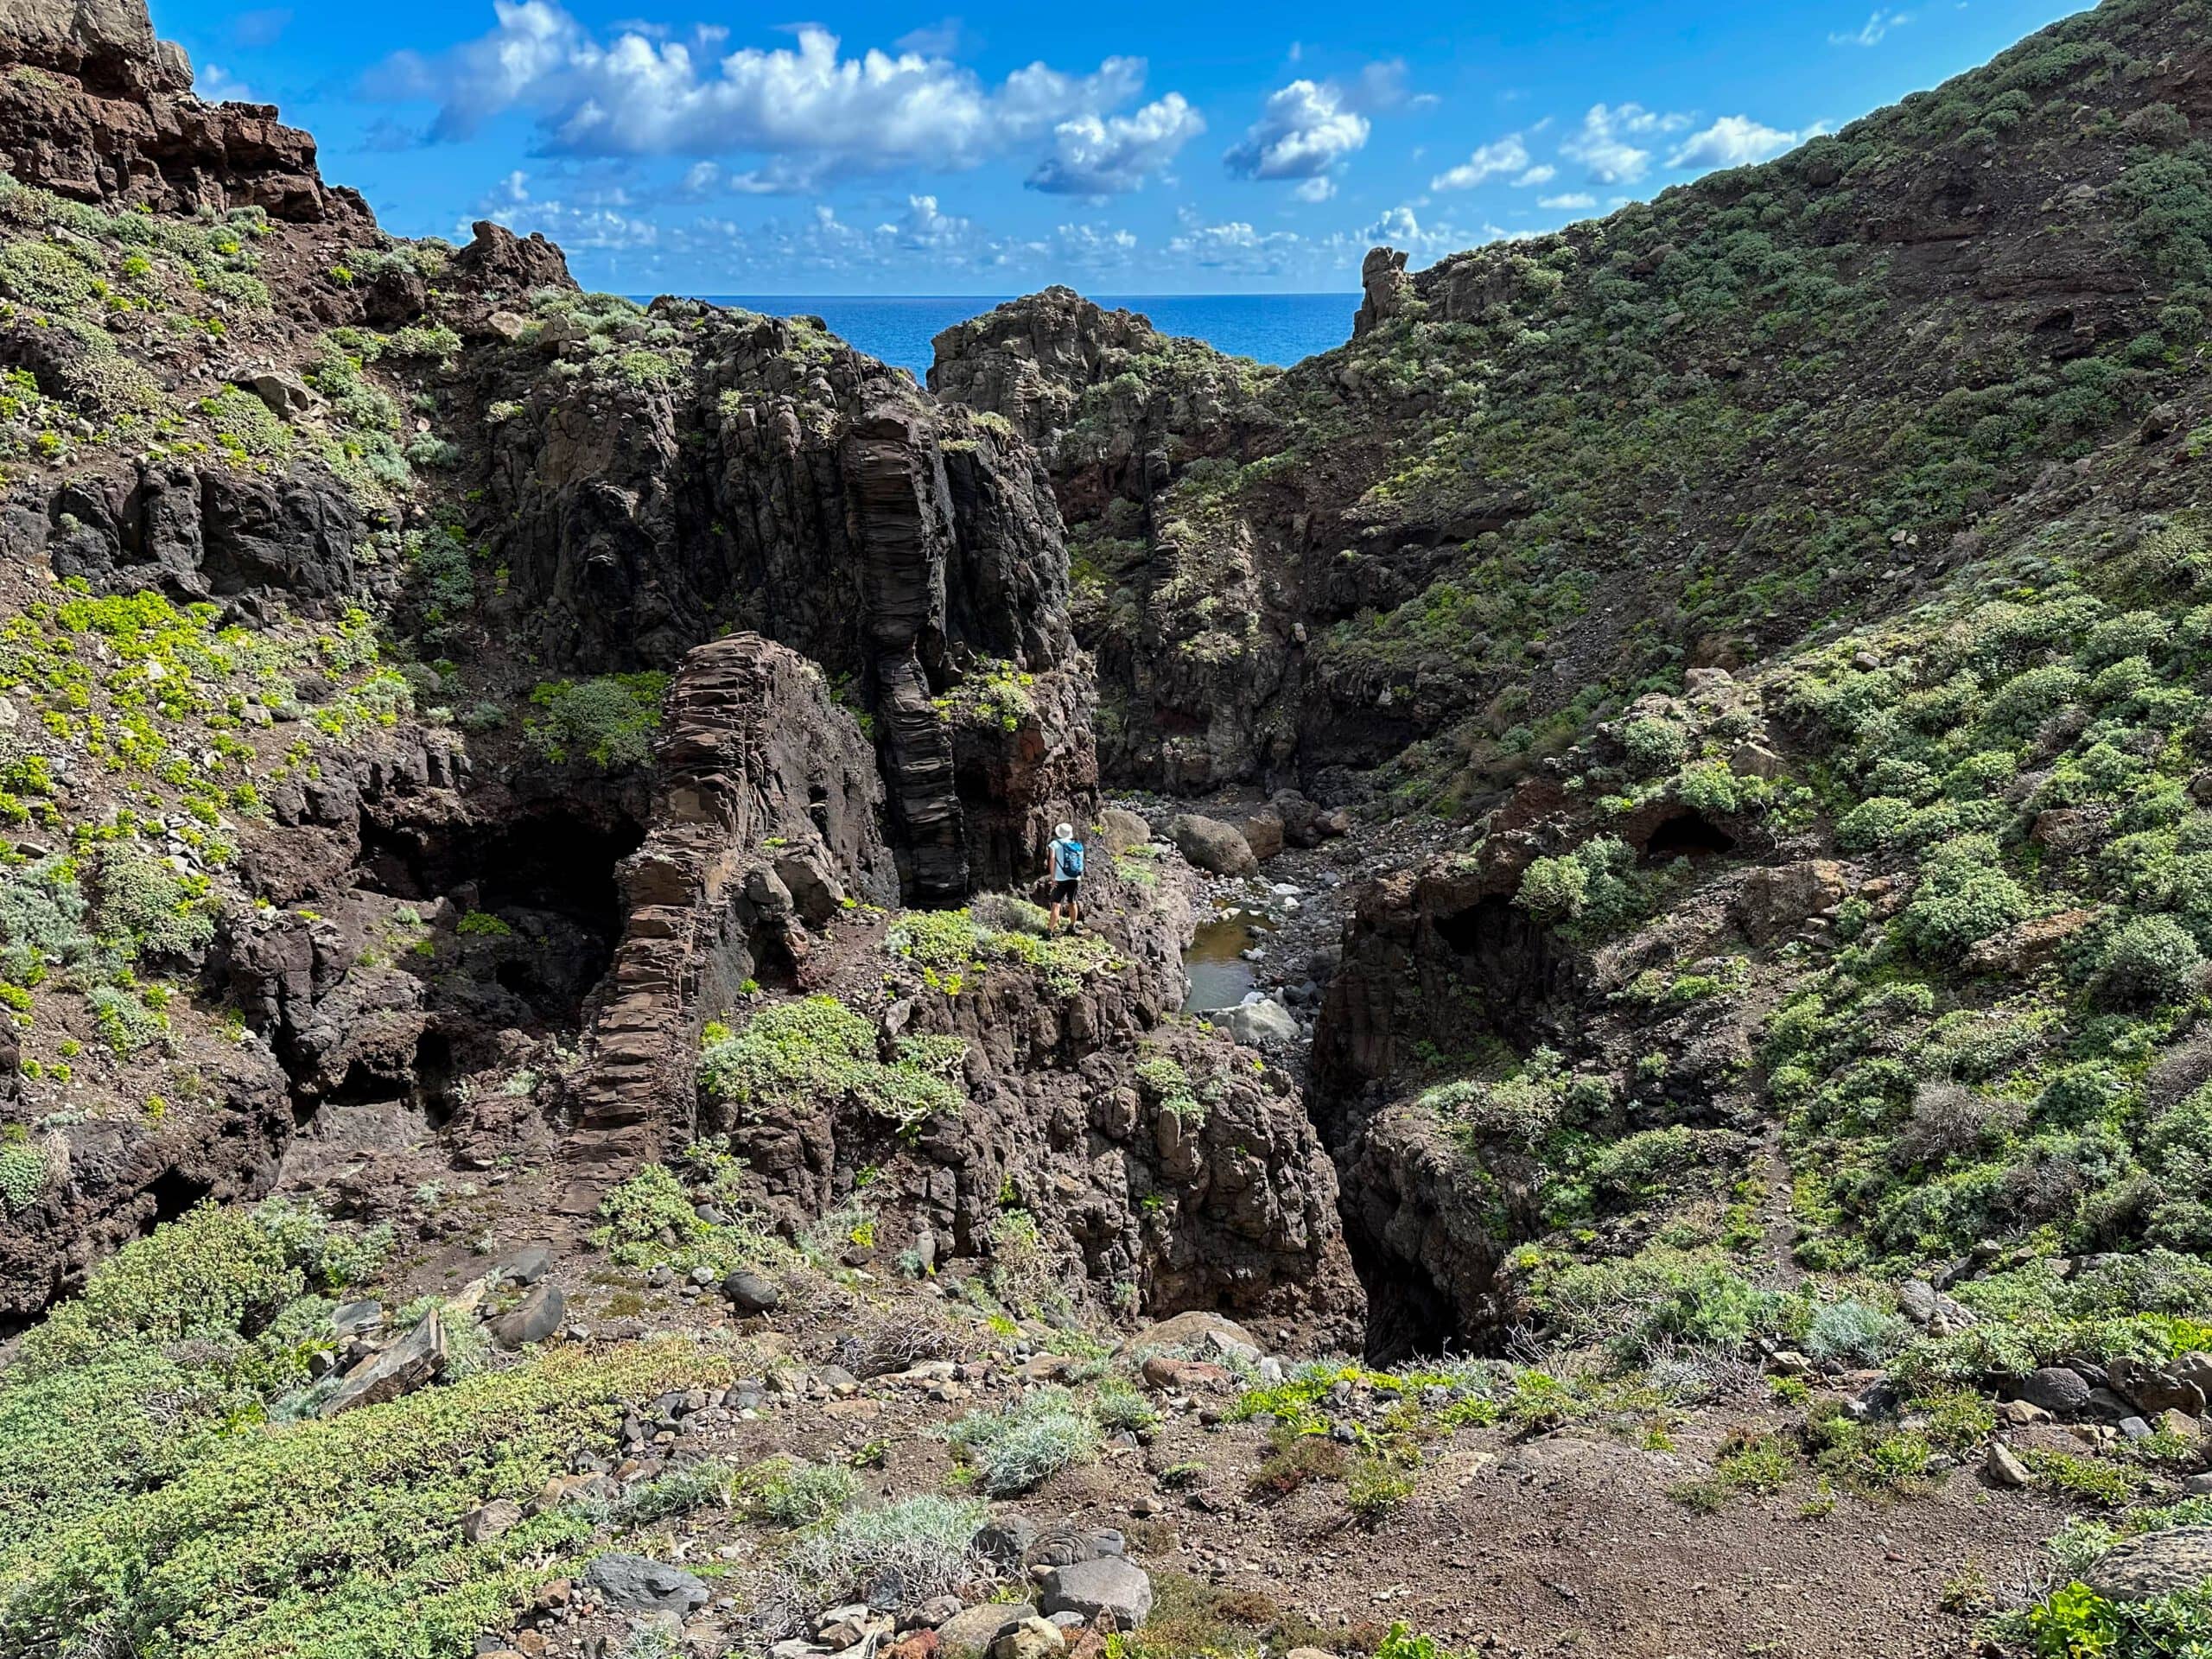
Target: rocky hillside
540, 1114
1548, 472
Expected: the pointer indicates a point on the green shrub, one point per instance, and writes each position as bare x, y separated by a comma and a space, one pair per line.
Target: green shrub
907, 1552
1376, 1488
800, 1054
146, 908
785, 1492
23, 1178
2149, 960
1853, 1334
1654, 746
611, 720
1013, 1449
1963, 898
338, 1539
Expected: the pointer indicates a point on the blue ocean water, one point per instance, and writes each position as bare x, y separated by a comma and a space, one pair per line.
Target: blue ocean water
1277, 328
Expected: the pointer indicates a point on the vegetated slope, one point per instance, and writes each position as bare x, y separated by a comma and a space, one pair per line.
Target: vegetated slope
1824, 960
1547, 472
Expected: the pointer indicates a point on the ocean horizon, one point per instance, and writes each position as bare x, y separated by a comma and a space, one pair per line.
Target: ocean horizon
1277, 328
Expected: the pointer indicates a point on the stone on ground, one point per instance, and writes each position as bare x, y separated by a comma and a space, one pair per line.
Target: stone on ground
638, 1584
2157, 1564
1111, 1585
970, 1632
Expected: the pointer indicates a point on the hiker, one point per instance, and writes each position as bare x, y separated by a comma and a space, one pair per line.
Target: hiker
1066, 854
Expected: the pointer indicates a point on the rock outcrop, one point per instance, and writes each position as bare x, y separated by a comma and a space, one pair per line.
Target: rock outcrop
766, 822
779, 481
94, 106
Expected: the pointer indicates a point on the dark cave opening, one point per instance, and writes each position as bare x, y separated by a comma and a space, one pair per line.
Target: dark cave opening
174, 1192
1687, 835
548, 858
1409, 1316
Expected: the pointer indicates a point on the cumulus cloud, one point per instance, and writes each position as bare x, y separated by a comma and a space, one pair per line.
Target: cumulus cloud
810, 109
1104, 156
1606, 144
1401, 227
1236, 246
1573, 201
1734, 141
1308, 128
1304, 130
596, 220
1504, 158
1873, 31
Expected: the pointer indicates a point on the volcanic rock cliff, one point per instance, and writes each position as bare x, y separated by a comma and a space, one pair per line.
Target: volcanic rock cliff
316, 862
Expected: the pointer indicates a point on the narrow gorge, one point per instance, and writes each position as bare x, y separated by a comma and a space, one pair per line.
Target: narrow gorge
1634, 1077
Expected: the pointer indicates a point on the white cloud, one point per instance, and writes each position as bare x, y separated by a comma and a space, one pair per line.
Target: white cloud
215, 84
596, 221
1094, 249
1603, 144
1541, 174
1102, 156
1400, 227
1733, 140
1236, 246
1303, 131
1573, 201
1319, 188
1494, 160
813, 110
1873, 31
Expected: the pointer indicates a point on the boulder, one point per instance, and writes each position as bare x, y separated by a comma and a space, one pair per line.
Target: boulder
412, 1362
1006, 1538
751, 1293
1777, 900
2002, 1467
971, 1632
1213, 845
2153, 1389
1756, 760
2026, 946
1163, 1371
1264, 1024
537, 1317
1111, 1585
1263, 833
1032, 1638
2159, 1564
2056, 1389
481, 1526
1067, 1543
1201, 1330
638, 1584
525, 1266
1299, 817
352, 1319
286, 395
1120, 830
814, 889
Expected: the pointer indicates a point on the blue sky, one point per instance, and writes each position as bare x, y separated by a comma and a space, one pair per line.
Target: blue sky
879, 147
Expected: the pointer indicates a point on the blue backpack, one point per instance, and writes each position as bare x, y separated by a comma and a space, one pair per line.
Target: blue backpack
1070, 859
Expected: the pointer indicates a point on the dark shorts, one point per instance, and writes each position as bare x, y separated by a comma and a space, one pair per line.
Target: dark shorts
1064, 891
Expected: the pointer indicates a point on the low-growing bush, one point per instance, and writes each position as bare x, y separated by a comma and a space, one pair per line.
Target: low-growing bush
785, 1492
1014, 1449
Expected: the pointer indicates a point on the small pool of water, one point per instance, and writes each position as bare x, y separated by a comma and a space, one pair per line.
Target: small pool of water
1214, 965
